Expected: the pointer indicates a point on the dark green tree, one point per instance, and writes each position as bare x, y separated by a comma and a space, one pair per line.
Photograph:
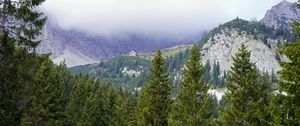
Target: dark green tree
127, 108
154, 101
216, 74
21, 21
207, 77
247, 96
288, 105
20, 24
44, 97
79, 97
195, 107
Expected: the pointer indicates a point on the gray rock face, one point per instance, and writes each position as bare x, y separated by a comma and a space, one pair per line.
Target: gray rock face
282, 15
224, 45
78, 48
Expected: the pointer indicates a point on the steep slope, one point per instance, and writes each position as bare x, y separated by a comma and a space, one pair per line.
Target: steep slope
78, 48
223, 42
122, 70
282, 15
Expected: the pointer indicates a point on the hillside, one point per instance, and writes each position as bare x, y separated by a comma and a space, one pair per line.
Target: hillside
130, 71
222, 43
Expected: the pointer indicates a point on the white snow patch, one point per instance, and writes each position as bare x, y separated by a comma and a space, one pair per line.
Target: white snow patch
130, 72
138, 89
217, 93
280, 92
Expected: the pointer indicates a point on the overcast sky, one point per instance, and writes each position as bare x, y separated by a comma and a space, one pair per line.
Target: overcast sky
163, 17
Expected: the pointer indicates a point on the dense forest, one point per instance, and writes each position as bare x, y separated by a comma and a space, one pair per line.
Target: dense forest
36, 92
113, 70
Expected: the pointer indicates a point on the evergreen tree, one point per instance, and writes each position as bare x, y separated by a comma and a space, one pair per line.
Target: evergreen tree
247, 96
207, 72
80, 94
273, 77
154, 101
288, 105
19, 26
127, 108
216, 74
44, 97
194, 103
21, 21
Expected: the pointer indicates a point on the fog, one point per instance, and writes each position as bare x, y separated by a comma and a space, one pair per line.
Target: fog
171, 18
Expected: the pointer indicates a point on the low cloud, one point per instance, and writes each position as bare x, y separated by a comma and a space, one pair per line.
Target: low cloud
155, 17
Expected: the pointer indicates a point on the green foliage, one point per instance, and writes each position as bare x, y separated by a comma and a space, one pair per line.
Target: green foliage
44, 97
17, 68
216, 74
194, 106
207, 69
257, 29
288, 106
22, 22
247, 97
19, 27
111, 71
154, 101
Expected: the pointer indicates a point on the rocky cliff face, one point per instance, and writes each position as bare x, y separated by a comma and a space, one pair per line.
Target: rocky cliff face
223, 45
223, 42
282, 15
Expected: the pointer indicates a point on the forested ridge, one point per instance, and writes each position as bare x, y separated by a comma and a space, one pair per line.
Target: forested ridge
36, 92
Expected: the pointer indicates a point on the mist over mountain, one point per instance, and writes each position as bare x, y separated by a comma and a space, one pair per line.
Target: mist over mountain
79, 47
218, 47
100, 30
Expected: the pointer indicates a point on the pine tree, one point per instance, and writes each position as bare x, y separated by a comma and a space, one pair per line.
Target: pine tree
207, 77
80, 95
22, 21
19, 27
44, 97
288, 106
216, 74
127, 108
195, 107
154, 101
247, 96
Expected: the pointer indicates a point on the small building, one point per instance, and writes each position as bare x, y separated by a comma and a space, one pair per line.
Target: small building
133, 53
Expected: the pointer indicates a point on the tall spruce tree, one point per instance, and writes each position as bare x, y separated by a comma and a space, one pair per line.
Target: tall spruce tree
207, 77
247, 96
79, 97
44, 98
287, 106
20, 24
154, 101
195, 106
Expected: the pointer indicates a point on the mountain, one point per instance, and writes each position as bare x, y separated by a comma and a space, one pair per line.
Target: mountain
262, 38
217, 49
282, 15
78, 47
223, 42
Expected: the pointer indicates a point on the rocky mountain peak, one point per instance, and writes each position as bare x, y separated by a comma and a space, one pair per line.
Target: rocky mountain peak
223, 42
282, 15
